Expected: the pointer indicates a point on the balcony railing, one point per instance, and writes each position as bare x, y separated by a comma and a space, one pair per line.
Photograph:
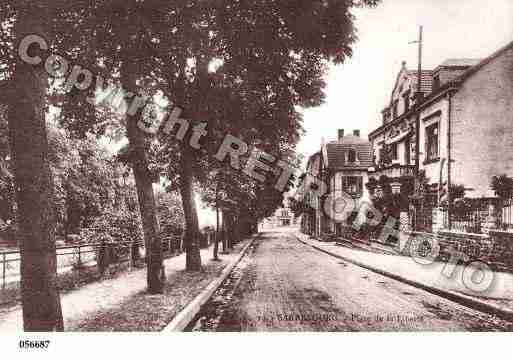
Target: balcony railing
395, 170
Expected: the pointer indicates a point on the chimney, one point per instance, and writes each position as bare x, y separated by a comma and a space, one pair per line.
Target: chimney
356, 133
340, 133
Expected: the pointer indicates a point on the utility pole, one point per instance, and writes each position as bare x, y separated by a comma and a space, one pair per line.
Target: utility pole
418, 99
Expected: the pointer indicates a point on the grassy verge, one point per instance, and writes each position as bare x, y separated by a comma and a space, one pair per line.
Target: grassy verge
146, 313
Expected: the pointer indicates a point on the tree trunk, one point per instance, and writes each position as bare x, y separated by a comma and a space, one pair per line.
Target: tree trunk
237, 230
229, 229
34, 186
73, 216
223, 231
135, 253
216, 243
191, 237
155, 273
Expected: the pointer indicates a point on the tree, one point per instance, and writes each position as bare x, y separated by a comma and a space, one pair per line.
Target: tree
170, 213
7, 196
117, 52
243, 67
34, 185
212, 195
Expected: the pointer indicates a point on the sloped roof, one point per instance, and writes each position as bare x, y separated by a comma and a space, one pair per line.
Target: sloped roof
460, 62
311, 161
470, 71
336, 152
474, 65
485, 61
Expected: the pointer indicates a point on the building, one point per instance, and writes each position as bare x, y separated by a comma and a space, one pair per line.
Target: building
311, 218
283, 217
465, 110
344, 166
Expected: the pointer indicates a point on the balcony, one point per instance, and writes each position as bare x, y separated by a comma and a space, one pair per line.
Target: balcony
394, 170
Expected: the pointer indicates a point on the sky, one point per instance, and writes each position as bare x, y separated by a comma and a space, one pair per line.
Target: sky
358, 90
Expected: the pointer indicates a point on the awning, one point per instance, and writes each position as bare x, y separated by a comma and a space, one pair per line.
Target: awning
398, 138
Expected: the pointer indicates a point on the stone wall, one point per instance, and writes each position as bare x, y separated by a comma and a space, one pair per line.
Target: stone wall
495, 249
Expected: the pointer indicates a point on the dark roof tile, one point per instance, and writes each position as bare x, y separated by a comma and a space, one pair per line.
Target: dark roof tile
426, 84
337, 150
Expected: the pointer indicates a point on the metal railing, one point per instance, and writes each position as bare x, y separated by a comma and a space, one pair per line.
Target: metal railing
80, 255
469, 220
505, 220
395, 171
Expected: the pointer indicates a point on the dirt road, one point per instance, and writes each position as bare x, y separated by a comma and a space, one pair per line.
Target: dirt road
284, 285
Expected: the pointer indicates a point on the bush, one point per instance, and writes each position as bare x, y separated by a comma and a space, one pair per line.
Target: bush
111, 230
114, 226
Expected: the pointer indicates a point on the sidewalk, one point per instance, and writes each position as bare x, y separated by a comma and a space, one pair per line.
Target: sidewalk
121, 304
499, 295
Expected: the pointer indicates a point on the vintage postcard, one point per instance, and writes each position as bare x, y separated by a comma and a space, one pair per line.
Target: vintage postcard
255, 166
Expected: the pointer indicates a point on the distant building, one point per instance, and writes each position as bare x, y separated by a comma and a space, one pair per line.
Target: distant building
283, 217
312, 213
343, 165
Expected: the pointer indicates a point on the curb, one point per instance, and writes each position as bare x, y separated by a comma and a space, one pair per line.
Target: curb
187, 315
464, 300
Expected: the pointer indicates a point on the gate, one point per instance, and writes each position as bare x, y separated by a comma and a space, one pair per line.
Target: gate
422, 213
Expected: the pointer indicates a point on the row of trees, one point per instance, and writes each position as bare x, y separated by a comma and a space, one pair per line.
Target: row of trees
241, 67
87, 181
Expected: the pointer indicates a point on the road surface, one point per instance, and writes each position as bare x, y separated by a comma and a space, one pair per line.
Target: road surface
285, 285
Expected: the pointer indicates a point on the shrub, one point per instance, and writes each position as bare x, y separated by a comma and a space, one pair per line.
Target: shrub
114, 226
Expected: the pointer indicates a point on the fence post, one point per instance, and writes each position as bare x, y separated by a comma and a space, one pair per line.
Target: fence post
79, 256
3, 271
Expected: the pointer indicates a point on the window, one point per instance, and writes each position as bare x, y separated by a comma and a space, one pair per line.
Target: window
394, 110
436, 82
406, 101
393, 151
381, 156
386, 116
352, 185
351, 156
432, 142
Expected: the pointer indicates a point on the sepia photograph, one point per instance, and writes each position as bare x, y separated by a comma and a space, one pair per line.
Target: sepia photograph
254, 166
